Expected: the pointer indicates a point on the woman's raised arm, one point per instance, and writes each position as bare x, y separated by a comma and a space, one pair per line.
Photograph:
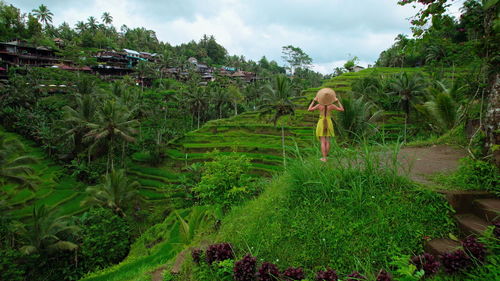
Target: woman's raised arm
313, 107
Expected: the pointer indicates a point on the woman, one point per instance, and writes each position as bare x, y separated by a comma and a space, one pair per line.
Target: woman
324, 129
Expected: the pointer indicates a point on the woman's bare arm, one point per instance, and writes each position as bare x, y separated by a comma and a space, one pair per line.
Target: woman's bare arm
339, 108
313, 107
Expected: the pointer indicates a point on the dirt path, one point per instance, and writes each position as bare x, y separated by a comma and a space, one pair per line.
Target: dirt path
425, 161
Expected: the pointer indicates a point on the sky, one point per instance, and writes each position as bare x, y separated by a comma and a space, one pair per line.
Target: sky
329, 31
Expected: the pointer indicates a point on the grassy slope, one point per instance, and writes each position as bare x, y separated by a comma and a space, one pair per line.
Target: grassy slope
247, 134
350, 216
56, 190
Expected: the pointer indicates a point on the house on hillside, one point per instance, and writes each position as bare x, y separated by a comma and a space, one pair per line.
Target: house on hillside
20, 53
112, 63
357, 68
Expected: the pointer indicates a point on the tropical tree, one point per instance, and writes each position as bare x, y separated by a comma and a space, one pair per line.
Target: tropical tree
357, 119
218, 97
444, 106
296, 58
43, 14
115, 191
407, 87
235, 96
80, 26
13, 167
77, 119
92, 23
107, 18
45, 232
113, 123
278, 100
196, 99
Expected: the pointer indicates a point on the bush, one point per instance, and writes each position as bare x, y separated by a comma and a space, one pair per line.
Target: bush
427, 262
225, 181
244, 269
327, 275
106, 238
456, 261
477, 174
293, 273
13, 266
219, 252
268, 272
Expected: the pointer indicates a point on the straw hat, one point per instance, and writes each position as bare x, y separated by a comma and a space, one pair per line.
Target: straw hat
326, 96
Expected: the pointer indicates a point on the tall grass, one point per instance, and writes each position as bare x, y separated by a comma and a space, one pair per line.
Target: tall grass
354, 213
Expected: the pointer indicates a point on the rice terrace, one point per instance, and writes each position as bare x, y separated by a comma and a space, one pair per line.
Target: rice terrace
250, 140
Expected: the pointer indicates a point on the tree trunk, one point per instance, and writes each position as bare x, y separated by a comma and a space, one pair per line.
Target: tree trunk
235, 109
283, 144
492, 120
198, 118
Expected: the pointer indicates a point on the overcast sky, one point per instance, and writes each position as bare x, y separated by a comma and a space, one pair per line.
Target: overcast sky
329, 31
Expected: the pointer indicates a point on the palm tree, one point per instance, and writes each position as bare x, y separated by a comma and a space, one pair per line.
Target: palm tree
81, 26
43, 233
358, 117
444, 106
116, 192
43, 14
78, 118
235, 97
278, 101
218, 97
408, 87
92, 22
13, 167
113, 122
197, 101
107, 18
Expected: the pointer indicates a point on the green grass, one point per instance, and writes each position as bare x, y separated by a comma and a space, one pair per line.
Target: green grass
355, 213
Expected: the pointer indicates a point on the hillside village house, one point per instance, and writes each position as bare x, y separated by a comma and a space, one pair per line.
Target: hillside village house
357, 68
19, 53
111, 64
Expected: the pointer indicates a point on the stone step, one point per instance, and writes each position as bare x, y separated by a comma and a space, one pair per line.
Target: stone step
462, 200
470, 224
440, 246
488, 209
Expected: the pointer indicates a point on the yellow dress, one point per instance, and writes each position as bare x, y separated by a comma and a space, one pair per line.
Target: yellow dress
320, 126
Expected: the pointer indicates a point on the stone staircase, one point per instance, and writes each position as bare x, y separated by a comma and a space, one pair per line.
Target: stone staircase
475, 211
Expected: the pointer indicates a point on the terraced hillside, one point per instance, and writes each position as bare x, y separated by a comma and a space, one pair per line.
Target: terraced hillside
63, 192
261, 141
54, 188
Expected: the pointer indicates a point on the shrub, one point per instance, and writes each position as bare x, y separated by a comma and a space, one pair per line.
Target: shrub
427, 262
219, 252
224, 180
13, 266
268, 272
327, 275
293, 273
244, 269
196, 255
355, 276
477, 174
474, 248
384, 276
105, 238
455, 261
496, 230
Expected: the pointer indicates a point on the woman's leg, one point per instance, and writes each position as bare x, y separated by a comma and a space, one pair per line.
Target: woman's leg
327, 142
324, 152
